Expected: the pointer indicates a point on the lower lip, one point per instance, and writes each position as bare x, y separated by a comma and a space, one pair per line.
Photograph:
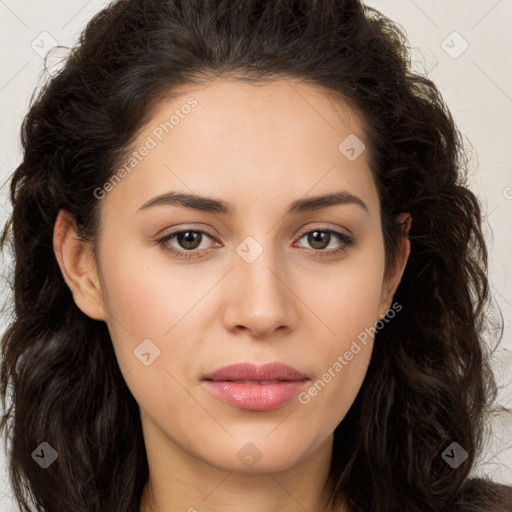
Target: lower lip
255, 397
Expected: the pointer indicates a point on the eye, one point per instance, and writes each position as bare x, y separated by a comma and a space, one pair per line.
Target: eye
320, 239
189, 241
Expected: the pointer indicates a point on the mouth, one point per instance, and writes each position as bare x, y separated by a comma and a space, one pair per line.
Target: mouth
255, 388
253, 382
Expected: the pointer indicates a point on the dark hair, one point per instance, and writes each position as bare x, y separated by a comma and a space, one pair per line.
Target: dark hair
429, 382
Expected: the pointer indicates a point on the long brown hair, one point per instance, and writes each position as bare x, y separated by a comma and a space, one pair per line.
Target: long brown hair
429, 382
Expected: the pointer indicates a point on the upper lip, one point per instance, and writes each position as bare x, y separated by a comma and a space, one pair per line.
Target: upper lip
250, 371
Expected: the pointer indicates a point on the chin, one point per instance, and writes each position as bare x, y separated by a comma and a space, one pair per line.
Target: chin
258, 455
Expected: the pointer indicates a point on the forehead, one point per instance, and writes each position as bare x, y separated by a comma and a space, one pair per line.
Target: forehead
286, 106
266, 140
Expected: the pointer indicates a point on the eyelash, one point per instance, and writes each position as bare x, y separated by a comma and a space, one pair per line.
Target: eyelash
346, 240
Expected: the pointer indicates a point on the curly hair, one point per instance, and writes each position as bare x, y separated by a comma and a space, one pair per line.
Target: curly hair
429, 381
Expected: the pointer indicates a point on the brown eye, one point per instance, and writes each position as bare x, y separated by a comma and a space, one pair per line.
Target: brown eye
318, 239
189, 239
187, 242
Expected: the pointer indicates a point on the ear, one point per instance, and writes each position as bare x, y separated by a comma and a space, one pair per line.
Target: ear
76, 262
394, 274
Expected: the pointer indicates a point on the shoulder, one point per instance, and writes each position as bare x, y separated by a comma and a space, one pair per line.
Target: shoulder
483, 495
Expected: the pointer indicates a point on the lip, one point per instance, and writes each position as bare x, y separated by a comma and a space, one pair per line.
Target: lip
250, 371
246, 385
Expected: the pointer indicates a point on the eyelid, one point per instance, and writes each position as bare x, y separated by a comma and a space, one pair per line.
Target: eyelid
322, 226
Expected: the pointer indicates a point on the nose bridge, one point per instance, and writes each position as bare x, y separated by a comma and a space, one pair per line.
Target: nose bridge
260, 300
257, 262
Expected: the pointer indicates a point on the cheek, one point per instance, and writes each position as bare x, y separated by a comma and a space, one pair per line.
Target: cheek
350, 311
149, 312
147, 293
143, 300
160, 313
346, 298
347, 305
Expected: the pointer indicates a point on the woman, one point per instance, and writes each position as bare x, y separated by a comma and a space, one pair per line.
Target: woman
249, 274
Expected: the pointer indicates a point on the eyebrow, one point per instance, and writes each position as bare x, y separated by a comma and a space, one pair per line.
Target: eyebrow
211, 205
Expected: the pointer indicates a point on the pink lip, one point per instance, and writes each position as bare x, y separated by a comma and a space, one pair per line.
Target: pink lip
225, 385
249, 371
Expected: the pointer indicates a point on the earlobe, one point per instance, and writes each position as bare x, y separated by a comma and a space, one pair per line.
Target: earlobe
393, 276
77, 265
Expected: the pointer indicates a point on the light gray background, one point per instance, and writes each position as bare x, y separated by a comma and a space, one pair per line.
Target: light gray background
476, 82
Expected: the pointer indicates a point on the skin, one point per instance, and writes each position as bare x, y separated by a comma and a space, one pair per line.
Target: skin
259, 148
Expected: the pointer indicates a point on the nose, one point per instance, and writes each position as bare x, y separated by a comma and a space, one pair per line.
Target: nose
260, 299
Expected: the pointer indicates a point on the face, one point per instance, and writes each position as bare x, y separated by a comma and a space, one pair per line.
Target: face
187, 291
